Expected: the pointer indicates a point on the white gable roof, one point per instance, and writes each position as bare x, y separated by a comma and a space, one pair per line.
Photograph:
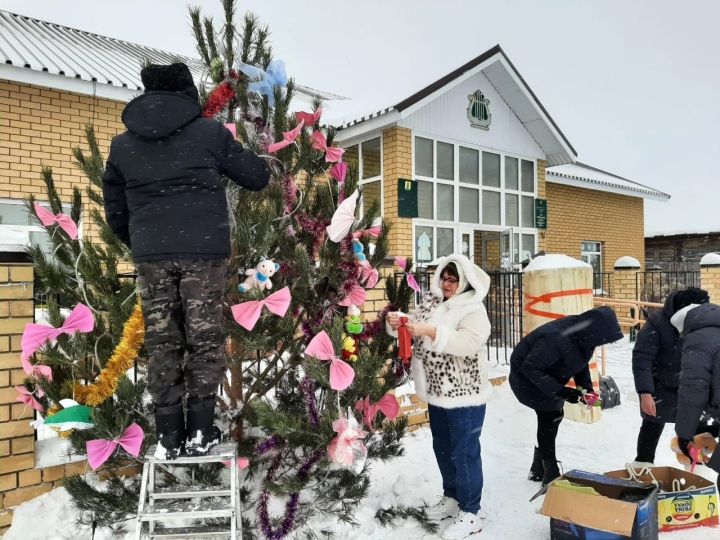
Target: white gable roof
509, 84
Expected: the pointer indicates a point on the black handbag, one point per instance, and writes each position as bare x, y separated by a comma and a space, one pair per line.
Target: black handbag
609, 393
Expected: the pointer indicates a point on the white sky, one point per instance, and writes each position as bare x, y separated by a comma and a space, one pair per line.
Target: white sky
634, 85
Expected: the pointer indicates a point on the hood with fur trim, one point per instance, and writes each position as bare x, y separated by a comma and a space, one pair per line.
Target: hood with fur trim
470, 274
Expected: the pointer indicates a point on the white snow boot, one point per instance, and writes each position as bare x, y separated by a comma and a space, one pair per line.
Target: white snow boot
445, 508
463, 525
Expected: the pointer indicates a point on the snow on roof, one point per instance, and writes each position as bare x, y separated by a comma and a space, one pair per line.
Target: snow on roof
554, 261
49, 54
582, 175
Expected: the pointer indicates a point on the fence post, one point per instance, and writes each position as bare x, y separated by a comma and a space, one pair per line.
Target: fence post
625, 278
710, 275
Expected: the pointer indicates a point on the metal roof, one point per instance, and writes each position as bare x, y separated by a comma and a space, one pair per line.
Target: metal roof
33, 50
588, 177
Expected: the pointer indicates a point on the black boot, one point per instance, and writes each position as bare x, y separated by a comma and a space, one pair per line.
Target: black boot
536, 469
202, 434
170, 428
551, 471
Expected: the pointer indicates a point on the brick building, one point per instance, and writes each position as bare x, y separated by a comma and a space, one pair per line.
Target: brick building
473, 163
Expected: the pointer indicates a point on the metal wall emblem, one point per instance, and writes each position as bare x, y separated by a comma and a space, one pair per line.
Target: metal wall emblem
478, 111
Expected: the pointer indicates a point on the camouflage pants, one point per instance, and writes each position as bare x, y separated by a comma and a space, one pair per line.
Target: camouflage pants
182, 306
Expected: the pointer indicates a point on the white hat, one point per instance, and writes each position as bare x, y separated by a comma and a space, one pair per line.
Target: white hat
678, 320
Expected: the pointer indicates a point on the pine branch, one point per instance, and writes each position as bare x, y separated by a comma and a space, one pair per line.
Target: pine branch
388, 517
210, 34
197, 28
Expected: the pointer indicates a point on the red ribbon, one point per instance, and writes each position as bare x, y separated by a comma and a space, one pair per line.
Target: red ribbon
546, 298
404, 341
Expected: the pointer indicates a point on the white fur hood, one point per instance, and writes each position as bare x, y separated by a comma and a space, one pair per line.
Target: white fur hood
470, 274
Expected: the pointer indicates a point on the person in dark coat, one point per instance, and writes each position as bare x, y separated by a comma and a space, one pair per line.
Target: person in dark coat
544, 361
164, 196
699, 391
656, 363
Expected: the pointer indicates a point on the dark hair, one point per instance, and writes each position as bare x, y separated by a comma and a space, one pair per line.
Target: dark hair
691, 295
451, 270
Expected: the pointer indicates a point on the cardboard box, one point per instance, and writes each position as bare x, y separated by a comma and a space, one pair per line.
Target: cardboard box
678, 508
580, 412
622, 509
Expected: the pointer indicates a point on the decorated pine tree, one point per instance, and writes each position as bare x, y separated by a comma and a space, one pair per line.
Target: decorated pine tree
307, 397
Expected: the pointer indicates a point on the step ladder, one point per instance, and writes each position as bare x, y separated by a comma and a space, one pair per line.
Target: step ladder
157, 506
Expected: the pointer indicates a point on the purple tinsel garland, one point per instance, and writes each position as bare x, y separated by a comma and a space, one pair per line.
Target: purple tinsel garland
307, 387
291, 505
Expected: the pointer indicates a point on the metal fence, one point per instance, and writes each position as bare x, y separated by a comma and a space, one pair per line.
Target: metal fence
655, 286
504, 308
505, 311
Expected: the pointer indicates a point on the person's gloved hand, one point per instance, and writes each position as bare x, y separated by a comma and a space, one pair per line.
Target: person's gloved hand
571, 395
684, 445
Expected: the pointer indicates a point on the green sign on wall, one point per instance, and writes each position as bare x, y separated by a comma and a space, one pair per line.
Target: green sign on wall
541, 213
407, 198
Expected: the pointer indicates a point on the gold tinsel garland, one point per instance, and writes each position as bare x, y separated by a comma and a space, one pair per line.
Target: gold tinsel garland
121, 360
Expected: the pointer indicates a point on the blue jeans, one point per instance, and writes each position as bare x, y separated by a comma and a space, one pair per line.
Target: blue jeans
456, 442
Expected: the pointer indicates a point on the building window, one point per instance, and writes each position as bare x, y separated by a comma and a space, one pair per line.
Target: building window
591, 253
365, 163
461, 188
18, 229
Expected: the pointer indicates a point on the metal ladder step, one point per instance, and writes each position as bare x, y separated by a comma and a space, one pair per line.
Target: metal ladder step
188, 504
189, 492
192, 532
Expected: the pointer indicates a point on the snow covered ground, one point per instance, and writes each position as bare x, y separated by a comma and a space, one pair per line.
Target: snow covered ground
507, 442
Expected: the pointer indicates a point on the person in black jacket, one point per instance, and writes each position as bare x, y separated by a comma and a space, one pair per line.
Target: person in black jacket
699, 391
164, 196
544, 361
656, 368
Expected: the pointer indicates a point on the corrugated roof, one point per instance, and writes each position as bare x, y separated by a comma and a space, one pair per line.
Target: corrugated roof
591, 177
54, 49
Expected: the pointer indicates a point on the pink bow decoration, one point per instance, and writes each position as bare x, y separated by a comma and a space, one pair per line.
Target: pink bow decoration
369, 275
309, 119
26, 397
242, 463
357, 296
319, 143
339, 171
288, 138
232, 128
343, 218
36, 335
387, 405
64, 221
347, 447
372, 231
36, 370
100, 450
411, 281
248, 313
341, 374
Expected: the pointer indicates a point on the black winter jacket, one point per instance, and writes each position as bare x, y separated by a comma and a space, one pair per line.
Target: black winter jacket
163, 184
656, 362
700, 375
548, 357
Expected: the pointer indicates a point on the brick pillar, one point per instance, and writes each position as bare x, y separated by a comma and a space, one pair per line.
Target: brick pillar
710, 275
624, 286
17, 450
397, 163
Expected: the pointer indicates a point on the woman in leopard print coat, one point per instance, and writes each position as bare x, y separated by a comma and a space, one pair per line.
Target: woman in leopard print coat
450, 329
